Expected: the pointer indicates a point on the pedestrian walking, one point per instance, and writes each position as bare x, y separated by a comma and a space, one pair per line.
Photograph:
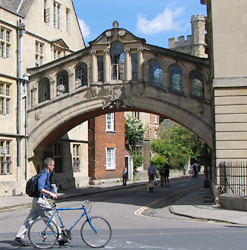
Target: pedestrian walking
162, 176
167, 173
40, 205
190, 171
152, 171
195, 167
125, 176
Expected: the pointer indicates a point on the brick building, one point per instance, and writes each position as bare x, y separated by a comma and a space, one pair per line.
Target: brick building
106, 147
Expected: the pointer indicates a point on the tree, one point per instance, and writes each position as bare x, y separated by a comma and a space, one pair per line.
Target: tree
134, 135
175, 145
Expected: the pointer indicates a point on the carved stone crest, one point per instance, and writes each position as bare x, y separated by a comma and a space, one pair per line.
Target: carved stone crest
94, 90
117, 99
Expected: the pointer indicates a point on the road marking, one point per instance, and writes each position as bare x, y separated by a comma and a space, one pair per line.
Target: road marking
144, 208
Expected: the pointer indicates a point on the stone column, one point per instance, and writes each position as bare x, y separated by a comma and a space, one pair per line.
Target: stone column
53, 90
94, 66
71, 82
186, 83
127, 62
140, 64
106, 65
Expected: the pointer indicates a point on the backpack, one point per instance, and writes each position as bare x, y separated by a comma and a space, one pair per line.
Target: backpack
32, 186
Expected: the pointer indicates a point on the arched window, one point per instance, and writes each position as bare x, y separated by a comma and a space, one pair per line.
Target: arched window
44, 90
176, 78
155, 73
62, 83
81, 75
117, 61
196, 84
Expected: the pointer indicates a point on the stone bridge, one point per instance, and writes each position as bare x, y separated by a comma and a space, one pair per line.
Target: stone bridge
117, 72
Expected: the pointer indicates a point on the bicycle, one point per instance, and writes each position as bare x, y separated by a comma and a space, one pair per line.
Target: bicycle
95, 231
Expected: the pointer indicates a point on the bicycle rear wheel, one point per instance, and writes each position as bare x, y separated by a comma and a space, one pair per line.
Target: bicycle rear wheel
42, 236
99, 238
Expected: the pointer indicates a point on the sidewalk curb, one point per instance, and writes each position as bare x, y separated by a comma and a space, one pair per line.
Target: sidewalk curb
171, 210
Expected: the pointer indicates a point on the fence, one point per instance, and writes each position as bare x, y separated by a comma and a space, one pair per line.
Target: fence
233, 178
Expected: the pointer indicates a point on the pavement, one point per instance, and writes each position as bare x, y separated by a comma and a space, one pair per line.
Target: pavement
197, 205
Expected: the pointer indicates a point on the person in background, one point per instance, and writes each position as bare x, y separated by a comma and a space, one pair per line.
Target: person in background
152, 171
195, 167
190, 171
162, 176
125, 176
167, 173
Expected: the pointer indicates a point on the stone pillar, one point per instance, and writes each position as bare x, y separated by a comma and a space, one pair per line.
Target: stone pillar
166, 78
71, 82
106, 65
186, 84
140, 64
127, 62
94, 67
53, 90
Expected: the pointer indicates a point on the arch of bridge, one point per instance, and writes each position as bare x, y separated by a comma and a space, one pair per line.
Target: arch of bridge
49, 120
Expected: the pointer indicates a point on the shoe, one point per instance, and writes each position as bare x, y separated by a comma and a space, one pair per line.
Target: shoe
62, 241
20, 241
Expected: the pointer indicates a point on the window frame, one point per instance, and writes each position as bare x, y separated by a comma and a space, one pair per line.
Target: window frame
62, 80
198, 76
44, 90
6, 167
153, 70
58, 157
81, 75
176, 70
5, 98
5, 42
110, 122
110, 161
39, 53
76, 150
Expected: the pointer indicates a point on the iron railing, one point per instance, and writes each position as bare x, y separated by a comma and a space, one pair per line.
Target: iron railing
233, 178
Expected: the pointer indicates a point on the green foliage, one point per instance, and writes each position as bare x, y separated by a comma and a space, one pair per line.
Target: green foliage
134, 135
176, 145
138, 160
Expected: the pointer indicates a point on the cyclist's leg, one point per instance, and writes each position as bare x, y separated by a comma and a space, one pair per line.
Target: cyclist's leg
45, 211
33, 215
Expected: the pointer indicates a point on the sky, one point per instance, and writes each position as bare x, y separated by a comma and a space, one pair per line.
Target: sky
154, 20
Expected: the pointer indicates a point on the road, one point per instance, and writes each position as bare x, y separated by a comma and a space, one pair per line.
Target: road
139, 221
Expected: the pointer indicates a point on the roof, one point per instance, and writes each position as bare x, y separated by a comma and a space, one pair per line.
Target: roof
19, 7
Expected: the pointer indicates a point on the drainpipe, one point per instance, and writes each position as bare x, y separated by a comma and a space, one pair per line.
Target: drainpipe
21, 32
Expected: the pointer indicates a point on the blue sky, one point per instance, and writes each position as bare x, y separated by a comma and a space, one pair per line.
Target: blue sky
154, 20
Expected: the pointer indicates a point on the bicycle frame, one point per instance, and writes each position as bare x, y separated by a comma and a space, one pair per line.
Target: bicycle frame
70, 209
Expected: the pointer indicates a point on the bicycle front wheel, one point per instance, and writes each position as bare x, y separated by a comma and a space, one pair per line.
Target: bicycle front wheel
97, 235
41, 235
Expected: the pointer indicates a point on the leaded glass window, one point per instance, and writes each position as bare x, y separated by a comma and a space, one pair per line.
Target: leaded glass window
155, 73
100, 68
44, 90
62, 83
134, 67
117, 61
176, 78
81, 75
196, 84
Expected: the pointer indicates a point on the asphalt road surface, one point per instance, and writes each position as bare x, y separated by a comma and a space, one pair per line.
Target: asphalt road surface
140, 220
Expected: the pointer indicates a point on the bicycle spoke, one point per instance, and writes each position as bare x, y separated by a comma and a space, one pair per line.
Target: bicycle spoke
42, 236
99, 238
